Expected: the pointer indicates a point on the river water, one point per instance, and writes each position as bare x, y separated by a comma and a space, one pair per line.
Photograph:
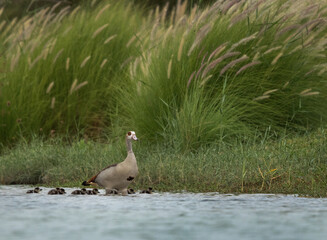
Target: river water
159, 216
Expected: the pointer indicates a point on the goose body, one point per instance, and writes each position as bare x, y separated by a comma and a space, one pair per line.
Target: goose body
118, 176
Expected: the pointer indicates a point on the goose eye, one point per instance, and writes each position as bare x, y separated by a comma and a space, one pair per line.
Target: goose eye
129, 133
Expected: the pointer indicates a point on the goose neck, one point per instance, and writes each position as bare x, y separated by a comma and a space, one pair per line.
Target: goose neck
129, 145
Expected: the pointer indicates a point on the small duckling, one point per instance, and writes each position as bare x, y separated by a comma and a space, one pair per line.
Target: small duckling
89, 192
112, 191
35, 190
53, 192
83, 191
76, 192
148, 191
130, 191
57, 191
61, 191
95, 191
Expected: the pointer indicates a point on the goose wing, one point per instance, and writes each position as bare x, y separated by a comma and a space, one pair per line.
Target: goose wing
92, 181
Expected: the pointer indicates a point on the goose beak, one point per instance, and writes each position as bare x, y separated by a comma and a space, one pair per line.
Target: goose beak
135, 138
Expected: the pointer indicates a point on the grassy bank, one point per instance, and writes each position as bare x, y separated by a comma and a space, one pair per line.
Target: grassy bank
213, 91
291, 165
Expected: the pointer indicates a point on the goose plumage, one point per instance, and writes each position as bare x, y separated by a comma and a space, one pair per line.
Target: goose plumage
118, 176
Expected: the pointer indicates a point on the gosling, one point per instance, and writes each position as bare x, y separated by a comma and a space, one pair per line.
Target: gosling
57, 191
35, 190
148, 191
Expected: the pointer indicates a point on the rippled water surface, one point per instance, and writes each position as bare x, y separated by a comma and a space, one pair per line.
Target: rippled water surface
159, 216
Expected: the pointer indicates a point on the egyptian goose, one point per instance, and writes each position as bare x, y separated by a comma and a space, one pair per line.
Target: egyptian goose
118, 176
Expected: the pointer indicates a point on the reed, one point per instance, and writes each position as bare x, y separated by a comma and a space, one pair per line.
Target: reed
177, 78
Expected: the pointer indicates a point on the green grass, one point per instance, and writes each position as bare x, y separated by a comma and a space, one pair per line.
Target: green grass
167, 77
293, 165
214, 91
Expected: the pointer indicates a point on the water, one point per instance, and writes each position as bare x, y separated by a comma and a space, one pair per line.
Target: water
159, 216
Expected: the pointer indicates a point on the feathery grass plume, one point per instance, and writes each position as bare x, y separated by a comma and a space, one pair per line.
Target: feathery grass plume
73, 86
36, 60
45, 53
243, 41
85, 61
67, 63
103, 63
272, 49
299, 47
80, 85
308, 73
14, 60
169, 67
286, 29
247, 66
192, 15
131, 41
285, 85
127, 61
135, 65
110, 38
199, 71
204, 81
101, 11
244, 14
200, 36
53, 101
204, 57
1, 11
305, 91
227, 5
310, 94
270, 91
215, 62
63, 12
276, 58
49, 87
180, 10
52, 45
2, 24
233, 63
74, 11
166, 34
217, 51
100, 29
190, 79
261, 97
57, 55
180, 49
164, 13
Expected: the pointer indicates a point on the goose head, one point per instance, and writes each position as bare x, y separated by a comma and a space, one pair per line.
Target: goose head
131, 136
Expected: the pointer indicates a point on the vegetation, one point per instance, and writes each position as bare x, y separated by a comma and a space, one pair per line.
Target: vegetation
290, 165
208, 83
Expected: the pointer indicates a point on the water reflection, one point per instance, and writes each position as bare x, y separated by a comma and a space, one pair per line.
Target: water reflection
159, 216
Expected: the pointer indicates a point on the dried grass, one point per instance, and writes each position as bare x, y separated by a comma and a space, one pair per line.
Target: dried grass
85, 61
50, 87
101, 12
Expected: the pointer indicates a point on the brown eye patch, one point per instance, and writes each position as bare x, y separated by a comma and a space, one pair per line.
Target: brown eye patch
129, 133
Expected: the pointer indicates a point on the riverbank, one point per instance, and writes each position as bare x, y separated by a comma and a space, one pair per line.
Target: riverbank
291, 165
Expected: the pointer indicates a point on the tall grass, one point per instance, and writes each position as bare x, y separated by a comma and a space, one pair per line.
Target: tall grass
187, 78
233, 69
59, 70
